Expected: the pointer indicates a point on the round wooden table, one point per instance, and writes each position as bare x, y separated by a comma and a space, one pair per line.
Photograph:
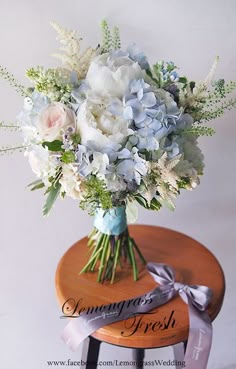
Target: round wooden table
193, 263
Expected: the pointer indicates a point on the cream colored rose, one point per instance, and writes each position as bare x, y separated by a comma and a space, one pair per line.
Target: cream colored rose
110, 75
55, 118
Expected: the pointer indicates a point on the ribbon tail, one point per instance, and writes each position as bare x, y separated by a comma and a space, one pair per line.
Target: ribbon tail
179, 355
199, 340
83, 326
75, 332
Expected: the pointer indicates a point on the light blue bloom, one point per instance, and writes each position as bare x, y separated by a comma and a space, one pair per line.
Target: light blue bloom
174, 77
152, 117
82, 160
132, 168
138, 56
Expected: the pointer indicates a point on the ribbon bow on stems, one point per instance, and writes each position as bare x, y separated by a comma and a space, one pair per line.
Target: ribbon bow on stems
195, 296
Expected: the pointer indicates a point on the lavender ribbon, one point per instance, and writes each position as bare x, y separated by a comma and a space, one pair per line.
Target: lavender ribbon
195, 296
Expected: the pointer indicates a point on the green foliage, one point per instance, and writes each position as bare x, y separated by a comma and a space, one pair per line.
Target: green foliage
110, 39
76, 139
183, 183
95, 195
11, 127
10, 149
36, 185
210, 111
53, 193
12, 81
68, 157
116, 44
54, 83
198, 131
106, 37
154, 204
55, 145
184, 80
208, 104
161, 69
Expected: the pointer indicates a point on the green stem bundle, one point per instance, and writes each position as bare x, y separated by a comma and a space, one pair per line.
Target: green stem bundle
109, 251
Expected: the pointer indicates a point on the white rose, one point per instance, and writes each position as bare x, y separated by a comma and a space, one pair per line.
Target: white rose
42, 163
110, 75
99, 129
52, 120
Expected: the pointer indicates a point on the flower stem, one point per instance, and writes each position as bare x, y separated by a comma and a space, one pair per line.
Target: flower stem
133, 261
104, 251
117, 254
110, 252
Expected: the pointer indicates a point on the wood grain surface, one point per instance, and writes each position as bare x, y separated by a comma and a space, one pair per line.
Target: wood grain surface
193, 263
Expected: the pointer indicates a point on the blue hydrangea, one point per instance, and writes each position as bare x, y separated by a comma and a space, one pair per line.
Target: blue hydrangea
131, 166
152, 118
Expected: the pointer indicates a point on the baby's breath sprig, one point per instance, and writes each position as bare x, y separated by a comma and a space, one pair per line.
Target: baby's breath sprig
12, 81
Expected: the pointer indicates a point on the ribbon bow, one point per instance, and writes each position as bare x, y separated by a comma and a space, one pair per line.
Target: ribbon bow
195, 296
200, 329
164, 275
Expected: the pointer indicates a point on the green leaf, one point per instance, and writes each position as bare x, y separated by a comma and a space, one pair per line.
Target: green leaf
52, 196
68, 157
54, 145
183, 80
36, 185
141, 200
155, 204
149, 73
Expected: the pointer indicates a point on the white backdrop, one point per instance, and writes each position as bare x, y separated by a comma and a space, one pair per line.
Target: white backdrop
189, 32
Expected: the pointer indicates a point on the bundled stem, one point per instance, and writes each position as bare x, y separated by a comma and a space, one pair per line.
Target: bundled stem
108, 251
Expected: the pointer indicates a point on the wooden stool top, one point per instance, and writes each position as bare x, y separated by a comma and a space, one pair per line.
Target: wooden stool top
193, 263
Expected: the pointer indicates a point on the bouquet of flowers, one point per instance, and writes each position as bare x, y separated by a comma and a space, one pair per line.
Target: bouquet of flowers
109, 129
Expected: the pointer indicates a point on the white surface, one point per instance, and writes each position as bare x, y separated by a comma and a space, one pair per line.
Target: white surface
191, 33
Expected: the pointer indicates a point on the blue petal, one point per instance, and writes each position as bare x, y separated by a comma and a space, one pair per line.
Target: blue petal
124, 154
128, 113
139, 116
149, 99
155, 125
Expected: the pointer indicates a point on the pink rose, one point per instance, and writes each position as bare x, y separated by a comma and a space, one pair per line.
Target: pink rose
53, 120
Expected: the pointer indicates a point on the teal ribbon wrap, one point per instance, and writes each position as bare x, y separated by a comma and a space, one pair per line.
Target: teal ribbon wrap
112, 221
